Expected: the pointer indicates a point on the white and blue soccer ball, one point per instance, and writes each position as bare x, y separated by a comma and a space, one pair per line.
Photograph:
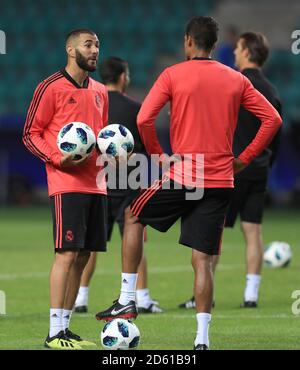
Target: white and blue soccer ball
76, 138
277, 254
120, 334
115, 140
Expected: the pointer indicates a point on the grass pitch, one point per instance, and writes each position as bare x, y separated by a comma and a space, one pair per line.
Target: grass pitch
26, 255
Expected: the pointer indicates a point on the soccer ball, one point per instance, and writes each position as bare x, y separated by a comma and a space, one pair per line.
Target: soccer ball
115, 140
120, 334
278, 254
76, 138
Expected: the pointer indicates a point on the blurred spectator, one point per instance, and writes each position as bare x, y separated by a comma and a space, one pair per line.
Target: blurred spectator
225, 51
20, 191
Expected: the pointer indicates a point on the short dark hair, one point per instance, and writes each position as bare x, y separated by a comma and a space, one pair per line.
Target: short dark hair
77, 32
111, 69
204, 30
258, 46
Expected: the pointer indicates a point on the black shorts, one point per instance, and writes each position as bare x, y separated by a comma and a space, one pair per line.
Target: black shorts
79, 221
202, 220
248, 199
117, 202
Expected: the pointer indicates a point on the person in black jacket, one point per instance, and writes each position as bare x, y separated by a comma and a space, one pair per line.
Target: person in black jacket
124, 110
248, 198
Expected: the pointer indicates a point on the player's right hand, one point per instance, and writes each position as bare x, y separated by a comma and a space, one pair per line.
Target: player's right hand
68, 161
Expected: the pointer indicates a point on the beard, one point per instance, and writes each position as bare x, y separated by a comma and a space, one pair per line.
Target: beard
82, 62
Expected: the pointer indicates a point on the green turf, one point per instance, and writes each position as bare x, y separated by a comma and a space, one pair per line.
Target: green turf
26, 256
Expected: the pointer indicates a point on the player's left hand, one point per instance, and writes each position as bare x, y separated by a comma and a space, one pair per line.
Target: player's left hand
238, 165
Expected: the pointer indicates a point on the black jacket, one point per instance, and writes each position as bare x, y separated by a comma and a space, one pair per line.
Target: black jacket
248, 125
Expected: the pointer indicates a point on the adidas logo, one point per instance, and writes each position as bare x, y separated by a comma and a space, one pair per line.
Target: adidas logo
72, 100
125, 281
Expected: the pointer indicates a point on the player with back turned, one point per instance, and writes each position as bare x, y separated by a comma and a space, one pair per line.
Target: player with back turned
248, 197
205, 100
78, 198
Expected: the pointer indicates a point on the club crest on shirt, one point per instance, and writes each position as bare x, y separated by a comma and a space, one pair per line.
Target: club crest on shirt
97, 100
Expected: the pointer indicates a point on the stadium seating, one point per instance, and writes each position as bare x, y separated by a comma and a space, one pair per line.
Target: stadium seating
136, 30
133, 29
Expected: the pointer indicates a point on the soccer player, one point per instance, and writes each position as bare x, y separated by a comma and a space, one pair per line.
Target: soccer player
78, 202
205, 100
122, 109
248, 197
251, 52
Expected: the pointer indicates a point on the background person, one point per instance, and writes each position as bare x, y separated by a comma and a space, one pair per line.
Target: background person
114, 73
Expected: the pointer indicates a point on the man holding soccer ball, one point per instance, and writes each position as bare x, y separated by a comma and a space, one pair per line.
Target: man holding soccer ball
78, 202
